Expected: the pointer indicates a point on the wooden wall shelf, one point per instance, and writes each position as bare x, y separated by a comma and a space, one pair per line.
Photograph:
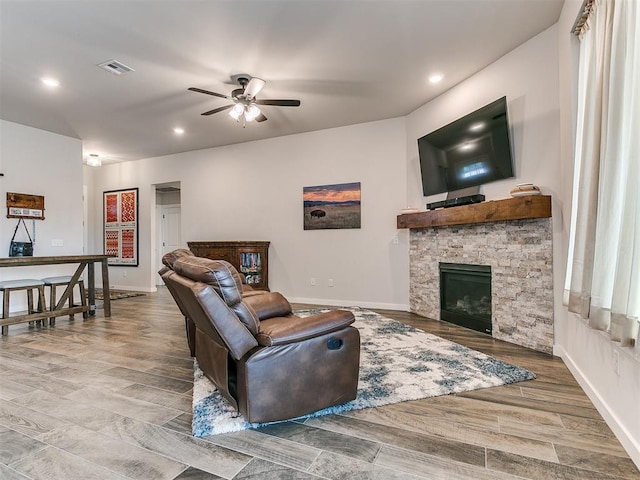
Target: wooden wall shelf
516, 208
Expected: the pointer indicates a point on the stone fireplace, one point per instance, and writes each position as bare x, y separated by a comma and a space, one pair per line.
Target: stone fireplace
518, 252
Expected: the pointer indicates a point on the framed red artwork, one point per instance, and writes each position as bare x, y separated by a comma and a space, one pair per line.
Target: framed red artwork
121, 227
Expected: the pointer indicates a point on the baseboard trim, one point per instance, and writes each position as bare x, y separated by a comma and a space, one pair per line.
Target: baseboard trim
350, 303
129, 288
628, 442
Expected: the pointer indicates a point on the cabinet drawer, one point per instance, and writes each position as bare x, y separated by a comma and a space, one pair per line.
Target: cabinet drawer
215, 253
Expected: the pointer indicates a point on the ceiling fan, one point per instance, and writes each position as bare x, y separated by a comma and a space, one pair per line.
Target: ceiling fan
245, 104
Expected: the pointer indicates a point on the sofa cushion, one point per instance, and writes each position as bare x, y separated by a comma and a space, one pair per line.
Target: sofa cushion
268, 304
292, 329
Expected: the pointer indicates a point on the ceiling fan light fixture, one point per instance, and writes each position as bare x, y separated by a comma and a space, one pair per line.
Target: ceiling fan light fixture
236, 111
251, 113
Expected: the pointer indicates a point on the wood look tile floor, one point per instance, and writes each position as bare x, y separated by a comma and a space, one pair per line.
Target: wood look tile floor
110, 398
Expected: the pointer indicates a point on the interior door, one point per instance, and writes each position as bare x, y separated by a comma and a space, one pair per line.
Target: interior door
169, 229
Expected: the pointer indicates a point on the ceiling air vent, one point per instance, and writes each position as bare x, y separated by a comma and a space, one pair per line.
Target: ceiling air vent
116, 67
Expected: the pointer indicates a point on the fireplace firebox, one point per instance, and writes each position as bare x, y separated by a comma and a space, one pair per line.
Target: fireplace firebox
465, 295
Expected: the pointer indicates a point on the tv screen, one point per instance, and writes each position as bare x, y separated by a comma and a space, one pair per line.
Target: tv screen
472, 151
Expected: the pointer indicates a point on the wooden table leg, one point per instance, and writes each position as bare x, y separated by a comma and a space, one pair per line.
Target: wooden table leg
105, 288
91, 290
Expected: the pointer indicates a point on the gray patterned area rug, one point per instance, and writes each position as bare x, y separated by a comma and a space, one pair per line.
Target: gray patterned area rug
117, 294
397, 363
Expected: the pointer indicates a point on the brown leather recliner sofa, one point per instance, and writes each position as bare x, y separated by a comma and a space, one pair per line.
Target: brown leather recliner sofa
268, 363
190, 327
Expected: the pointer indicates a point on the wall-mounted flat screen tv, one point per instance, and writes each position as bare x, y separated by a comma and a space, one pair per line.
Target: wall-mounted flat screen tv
472, 151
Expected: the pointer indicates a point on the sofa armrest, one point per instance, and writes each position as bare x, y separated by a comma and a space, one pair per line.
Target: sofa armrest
291, 329
268, 305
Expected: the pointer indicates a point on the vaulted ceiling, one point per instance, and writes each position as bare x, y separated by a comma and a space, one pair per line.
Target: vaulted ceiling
348, 61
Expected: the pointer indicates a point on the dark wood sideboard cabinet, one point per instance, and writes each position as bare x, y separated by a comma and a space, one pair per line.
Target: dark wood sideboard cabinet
250, 258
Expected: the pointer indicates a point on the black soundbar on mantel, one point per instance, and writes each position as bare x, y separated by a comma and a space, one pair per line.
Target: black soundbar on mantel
455, 202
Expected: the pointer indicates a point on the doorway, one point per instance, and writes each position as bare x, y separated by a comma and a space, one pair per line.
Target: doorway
168, 221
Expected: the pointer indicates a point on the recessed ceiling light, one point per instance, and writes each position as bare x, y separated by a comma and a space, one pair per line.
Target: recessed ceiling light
436, 78
50, 82
477, 126
178, 131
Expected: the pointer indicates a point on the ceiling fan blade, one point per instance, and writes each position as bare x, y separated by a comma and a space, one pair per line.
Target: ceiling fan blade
253, 87
261, 118
216, 110
207, 92
279, 103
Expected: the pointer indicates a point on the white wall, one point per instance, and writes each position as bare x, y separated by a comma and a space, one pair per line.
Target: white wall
589, 353
253, 191
528, 77
41, 163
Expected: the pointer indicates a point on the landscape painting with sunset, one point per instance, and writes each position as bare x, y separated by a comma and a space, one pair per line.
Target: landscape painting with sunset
332, 206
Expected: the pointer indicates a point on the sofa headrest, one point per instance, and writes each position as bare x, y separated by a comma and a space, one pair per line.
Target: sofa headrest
221, 275
169, 258
224, 279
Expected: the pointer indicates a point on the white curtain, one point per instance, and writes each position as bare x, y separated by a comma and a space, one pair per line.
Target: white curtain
603, 271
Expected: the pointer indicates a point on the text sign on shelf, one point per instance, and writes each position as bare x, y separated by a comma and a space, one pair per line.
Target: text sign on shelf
23, 205
25, 212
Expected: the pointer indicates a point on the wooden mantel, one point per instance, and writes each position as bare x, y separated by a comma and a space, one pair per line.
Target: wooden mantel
516, 208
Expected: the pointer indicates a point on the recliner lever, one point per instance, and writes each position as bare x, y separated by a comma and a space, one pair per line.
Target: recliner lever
334, 344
